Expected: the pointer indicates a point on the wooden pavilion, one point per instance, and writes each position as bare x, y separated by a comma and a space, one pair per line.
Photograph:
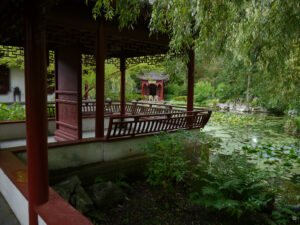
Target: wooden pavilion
152, 84
68, 28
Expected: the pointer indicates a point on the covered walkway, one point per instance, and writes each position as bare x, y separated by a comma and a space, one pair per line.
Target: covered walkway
65, 34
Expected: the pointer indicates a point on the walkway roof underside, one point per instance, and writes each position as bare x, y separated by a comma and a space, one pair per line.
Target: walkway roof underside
71, 22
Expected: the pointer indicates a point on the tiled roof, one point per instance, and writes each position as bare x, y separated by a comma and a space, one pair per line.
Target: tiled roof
153, 75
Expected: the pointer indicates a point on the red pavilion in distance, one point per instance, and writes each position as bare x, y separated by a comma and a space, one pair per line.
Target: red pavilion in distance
152, 84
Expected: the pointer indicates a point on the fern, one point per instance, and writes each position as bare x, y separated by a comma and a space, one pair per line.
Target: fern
233, 185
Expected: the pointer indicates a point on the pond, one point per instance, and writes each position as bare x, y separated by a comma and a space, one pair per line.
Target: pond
261, 136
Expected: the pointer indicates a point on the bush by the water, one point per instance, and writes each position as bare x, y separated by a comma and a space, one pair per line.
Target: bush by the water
227, 185
169, 162
233, 185
180, 99
203, 90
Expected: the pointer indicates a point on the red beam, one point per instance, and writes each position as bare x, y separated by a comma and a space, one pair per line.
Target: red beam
36, 109
190, 97
100, 70
122, 89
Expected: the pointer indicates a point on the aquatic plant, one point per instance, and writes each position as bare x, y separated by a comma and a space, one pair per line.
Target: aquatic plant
231, 119
271, 157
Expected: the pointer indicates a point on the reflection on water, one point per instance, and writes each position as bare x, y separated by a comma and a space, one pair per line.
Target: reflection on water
263, 129
237, 131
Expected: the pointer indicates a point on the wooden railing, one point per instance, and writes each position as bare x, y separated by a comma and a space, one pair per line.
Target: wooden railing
89, 108
140, 125
141, 108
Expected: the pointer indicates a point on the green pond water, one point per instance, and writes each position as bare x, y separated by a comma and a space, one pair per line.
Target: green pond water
268, 142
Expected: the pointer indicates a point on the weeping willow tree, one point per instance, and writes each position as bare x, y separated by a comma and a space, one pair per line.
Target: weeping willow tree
262, 34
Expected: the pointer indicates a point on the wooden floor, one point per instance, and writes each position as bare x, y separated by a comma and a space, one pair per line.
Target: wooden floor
22, 142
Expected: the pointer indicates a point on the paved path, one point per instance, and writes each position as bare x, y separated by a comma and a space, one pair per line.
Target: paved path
7, 217
22, 142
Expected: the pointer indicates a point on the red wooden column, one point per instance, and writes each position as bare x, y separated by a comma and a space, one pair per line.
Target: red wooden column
86, 89
122, 89
190, 96
162, 91
68, 93
142, 83
36, 109
100, 70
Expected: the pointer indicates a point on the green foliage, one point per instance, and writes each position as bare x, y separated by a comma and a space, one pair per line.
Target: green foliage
222, 91
127, 11
292, 124
203, 90
175, 89
233, 185
231, 119
283, 216
10, 60
12, 112
167, 163
233, 40
112, 82
172, 154
286, 156
180, 99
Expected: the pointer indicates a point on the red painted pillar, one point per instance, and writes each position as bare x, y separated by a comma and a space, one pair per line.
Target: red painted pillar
100, 70
122, 89
86, 95
36, 109
190, 97
142, 84
162, 91
147, 89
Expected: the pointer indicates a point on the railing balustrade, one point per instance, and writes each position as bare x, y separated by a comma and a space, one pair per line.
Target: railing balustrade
143, 118
139, 125
89, 108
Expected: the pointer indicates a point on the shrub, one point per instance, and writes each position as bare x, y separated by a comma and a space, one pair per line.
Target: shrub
174, 156
167, 163
175, 89
180, 99
131, 97
222, 91
233, 185
168, 97
12, 112
203, 90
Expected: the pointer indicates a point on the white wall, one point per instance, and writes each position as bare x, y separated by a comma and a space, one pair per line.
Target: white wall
17, 202
17, 79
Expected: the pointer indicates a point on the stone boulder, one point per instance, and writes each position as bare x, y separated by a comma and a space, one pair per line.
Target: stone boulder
72, 191
106, 195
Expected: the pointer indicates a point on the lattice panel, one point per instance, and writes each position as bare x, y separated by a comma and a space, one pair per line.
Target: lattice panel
114, 61
11, 51
88, 60
150, 60
51, 57
14, 52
